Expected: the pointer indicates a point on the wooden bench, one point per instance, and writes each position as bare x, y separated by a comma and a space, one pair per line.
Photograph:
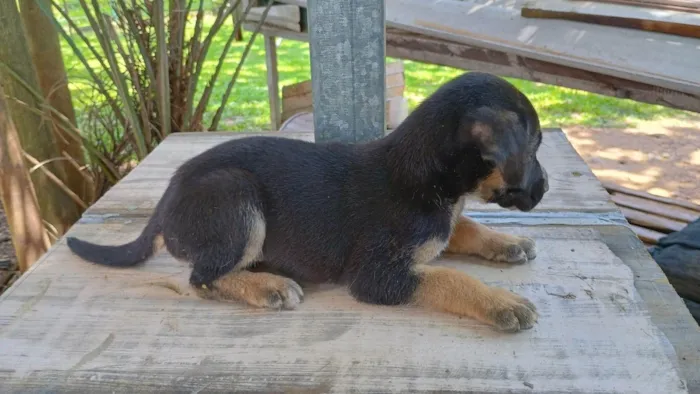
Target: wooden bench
610, 321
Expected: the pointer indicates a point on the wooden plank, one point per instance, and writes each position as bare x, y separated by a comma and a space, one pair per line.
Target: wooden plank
657, 208
296, 89
293, 103
347, 53
299, 122
679, 23
621, 189
73, 326
637, 55
417, 47
287, 114
272, 81
286, 13
646, 235
674, 5
283, 16
573, 186
397, 112
394, 68
651, 221
299, 97
394, 77
661, 299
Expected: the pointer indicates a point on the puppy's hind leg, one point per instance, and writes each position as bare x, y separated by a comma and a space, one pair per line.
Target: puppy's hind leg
221, 231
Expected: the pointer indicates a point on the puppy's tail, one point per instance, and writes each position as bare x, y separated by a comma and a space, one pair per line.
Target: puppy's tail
124, 255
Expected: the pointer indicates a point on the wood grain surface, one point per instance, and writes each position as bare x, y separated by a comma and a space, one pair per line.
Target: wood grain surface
609, 319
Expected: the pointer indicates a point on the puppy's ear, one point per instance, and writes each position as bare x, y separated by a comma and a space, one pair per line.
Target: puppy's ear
494, 132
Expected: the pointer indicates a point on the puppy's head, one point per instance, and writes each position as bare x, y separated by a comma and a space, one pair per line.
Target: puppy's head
476, 134
502, 125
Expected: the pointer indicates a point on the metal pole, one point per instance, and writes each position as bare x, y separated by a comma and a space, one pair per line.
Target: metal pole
347, 49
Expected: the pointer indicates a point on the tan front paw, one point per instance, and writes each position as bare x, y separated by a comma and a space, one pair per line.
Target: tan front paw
514, 250
281, 294
510, 312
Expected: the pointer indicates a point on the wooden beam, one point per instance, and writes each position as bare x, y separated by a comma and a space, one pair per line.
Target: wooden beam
654, 207
639, 56
347, 69
417, 47
272, 81
678, 23
651, 221
611, 187
674, 5
646, 235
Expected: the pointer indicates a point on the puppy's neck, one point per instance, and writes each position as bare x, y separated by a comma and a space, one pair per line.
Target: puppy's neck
426, 165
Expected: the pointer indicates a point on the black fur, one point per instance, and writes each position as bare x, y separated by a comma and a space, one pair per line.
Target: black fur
346, 213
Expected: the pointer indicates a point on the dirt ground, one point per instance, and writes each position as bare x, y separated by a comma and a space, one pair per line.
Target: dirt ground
661, 157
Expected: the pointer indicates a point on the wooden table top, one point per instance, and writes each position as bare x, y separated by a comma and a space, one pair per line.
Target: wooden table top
610, 321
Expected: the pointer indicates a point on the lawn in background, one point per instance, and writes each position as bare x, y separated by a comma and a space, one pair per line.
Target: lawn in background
248, 108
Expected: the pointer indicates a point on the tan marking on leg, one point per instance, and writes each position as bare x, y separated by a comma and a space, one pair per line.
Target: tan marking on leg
470, 237
452, 291
258, 289
428, 251
158, 242
256, 239
431, 249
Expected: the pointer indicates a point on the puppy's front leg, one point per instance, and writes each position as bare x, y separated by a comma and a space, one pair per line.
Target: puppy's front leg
449, 290
398, 280
470, 237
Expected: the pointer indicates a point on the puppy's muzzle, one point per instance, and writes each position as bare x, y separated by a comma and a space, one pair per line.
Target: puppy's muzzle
523, 199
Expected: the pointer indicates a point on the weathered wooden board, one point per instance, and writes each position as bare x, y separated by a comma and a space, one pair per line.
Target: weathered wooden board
614, 188
630, 54
422, 48
609, 51
669, 22
573, 187
69, 325
676, 5
657, 208
284, 16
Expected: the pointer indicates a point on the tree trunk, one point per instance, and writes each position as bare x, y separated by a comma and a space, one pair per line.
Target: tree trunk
18, 197
35, 135
45, 48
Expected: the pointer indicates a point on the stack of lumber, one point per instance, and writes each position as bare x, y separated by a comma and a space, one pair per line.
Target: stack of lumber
682, 20
676, 5
297, 98
651, 216
495, 37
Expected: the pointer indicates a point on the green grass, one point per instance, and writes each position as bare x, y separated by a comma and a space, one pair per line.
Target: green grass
248, 109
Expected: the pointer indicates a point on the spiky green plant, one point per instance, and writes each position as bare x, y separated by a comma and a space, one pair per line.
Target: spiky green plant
144, 60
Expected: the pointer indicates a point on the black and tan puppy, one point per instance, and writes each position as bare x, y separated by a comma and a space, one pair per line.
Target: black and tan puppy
369, 216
